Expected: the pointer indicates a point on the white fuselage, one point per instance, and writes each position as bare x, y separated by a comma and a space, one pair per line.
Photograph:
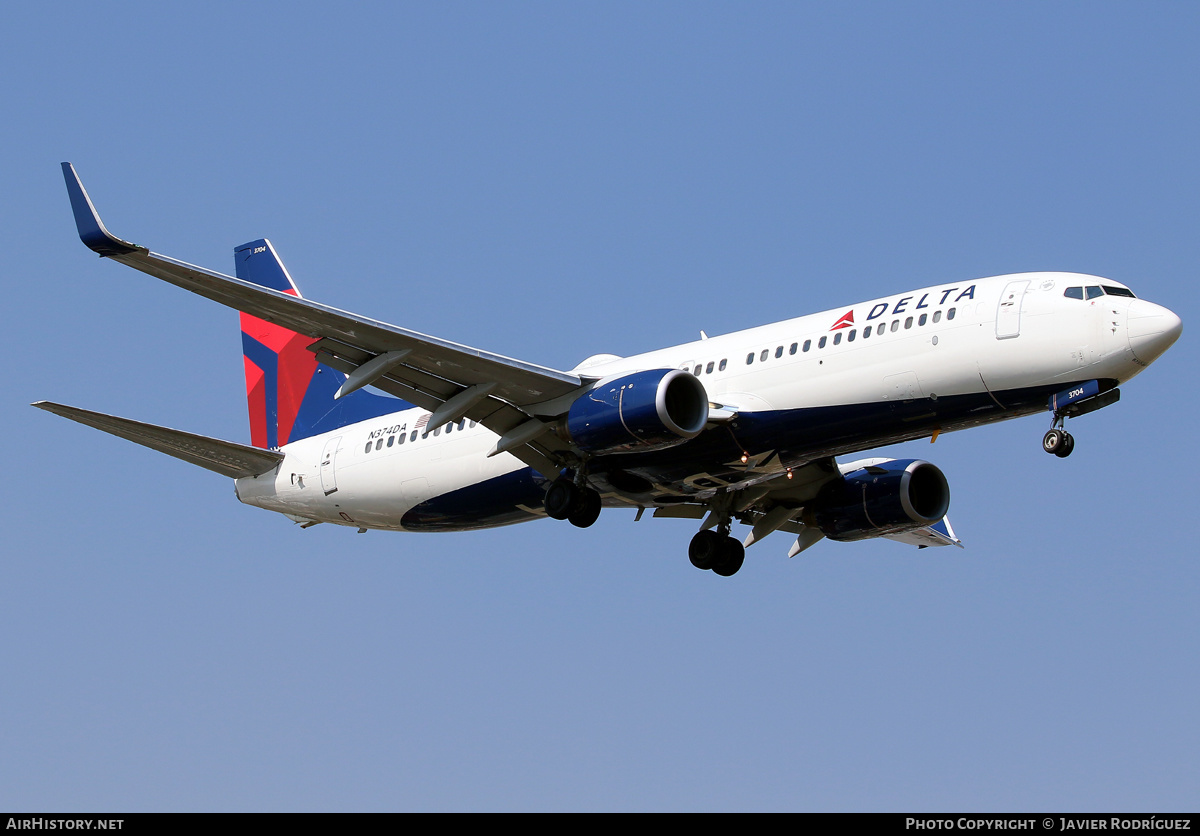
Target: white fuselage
994, 335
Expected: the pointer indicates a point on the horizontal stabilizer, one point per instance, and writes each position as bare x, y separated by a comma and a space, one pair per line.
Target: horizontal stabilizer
224, 457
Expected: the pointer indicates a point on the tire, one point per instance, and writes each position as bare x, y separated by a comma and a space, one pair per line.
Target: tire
732, 555
562, 497
588, 510
1052, 441
1068, 444
705, 549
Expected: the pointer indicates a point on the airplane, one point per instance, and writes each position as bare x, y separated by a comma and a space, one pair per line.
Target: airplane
744, 427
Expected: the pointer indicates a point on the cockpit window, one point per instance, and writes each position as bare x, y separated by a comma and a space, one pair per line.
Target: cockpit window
1073, 293
1118, 291
1093, 292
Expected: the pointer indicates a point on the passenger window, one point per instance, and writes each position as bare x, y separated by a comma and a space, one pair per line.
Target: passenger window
462, 425
1093, 292
473, 423
950, 314
765, 353
853, 333
401, 439
866, 332
696, 371
413, 437
792, 348
721, 367
1073, 293
379, 444
837, 338
749, 358
922, 320
937, 316
708, 369
368, 448
438, 431
821, 342
449, 427
908, 323
391, 440
807, 345
895, 325
778, 352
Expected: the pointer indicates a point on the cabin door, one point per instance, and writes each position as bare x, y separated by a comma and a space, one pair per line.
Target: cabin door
1008, 315
329, 465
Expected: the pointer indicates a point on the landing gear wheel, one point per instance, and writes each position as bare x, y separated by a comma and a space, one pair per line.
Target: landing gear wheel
562, 498
719, 552
730, 560
705, 549
588, 510
1054, 440
1064, 449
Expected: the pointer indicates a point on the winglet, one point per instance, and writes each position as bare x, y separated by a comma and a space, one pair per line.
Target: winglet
91, 229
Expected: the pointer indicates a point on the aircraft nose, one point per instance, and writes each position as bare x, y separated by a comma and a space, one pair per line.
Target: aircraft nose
1152, 330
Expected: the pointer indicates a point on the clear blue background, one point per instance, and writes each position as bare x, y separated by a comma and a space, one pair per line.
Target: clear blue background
550, 181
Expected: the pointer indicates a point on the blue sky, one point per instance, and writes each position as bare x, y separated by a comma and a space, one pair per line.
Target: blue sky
551, 181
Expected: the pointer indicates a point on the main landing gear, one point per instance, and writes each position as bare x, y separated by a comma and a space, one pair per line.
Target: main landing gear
566, 500
718, 551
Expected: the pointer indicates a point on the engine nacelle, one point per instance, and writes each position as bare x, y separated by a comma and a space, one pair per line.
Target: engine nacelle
885, 498
642, 411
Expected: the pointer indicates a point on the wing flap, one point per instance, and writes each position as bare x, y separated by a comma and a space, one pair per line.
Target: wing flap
497, 415
224, 457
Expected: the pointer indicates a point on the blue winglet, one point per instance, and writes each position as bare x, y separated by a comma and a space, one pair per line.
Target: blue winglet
91, 229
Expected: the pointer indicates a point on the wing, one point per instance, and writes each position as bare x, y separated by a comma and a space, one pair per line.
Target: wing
939, 534
453, 381
776, 504
781, 503
224, 457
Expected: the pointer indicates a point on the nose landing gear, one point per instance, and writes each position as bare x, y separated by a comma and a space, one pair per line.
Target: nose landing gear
1058, 441
1080, 399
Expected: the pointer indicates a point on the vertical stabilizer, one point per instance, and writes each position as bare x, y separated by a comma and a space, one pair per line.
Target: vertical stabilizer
290, 394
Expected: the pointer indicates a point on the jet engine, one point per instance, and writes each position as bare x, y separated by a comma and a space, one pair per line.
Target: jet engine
646, 410
888, 497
